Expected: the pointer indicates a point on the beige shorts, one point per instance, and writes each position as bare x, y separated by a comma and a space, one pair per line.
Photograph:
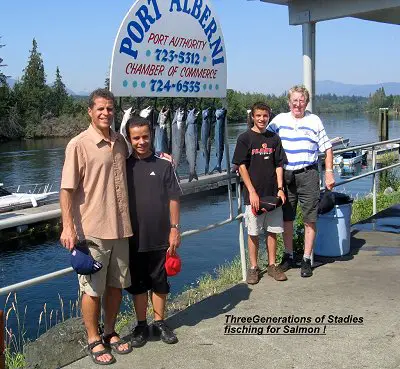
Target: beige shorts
271, 221
114, 255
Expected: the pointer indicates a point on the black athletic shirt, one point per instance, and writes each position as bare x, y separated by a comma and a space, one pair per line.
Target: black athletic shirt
151, 184
262, 153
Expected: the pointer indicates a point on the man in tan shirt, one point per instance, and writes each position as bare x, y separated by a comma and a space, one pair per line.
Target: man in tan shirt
94, 206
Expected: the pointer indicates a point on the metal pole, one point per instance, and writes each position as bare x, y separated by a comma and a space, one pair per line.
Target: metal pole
2, 356
33, 281
308, 62
228, 165
241, 232
320, 172
373, 181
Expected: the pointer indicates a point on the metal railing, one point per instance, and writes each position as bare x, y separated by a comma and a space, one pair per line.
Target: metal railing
375, 147
237, 218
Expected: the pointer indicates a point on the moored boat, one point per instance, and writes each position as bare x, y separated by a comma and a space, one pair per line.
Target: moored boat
32, 196
349, 158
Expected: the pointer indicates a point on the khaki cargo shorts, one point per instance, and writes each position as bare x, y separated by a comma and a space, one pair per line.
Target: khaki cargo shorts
114, 255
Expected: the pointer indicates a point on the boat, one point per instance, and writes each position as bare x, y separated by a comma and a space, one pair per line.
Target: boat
339, 142
25, 196
349, 158
348, 171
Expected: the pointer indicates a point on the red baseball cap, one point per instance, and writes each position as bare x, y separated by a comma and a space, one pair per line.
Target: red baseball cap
173, 264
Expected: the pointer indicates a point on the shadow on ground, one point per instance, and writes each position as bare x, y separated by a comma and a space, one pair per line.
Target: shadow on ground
355, 246
210, 307
387, 220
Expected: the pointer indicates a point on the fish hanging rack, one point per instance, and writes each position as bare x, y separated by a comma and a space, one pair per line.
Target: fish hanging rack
182, 112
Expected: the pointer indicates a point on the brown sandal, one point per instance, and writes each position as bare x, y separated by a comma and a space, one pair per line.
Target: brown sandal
94, 355
114, 345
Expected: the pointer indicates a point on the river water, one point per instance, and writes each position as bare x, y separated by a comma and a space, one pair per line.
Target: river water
38, 161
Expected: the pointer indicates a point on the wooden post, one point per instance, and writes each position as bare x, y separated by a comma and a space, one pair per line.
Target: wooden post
2, 357
383, 124
386, 124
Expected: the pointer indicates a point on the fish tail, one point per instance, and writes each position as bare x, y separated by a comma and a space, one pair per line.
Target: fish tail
217, 168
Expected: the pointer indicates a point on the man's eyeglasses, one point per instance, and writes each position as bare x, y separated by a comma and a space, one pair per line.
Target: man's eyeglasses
298, 102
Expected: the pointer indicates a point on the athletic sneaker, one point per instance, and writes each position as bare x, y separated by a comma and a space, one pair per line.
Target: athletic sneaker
276, 272
306, 270
140, 335
287, 262
253, 276
164, 332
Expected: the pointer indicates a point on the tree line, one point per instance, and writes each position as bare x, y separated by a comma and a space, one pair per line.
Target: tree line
33, 109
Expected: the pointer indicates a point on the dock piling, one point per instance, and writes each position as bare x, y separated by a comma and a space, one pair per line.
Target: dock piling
383, 124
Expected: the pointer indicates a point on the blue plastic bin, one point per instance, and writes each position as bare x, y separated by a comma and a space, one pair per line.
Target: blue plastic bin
333, 228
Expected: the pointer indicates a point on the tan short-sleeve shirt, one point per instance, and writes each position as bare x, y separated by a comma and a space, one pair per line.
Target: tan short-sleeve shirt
95, 169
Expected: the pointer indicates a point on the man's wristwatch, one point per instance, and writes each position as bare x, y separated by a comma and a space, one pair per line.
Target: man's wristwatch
175, 226
281, 189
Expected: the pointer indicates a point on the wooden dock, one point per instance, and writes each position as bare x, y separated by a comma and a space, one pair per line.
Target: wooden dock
21, 218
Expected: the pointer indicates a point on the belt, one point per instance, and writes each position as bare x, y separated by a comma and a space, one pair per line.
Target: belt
305, 169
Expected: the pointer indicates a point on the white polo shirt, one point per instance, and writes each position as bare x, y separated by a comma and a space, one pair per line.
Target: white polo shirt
303, 139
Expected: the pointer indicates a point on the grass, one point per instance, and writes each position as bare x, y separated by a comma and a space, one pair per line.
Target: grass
15, 341
362, 208
225, 276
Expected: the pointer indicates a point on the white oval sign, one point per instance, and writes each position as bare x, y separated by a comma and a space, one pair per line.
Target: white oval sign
169, 48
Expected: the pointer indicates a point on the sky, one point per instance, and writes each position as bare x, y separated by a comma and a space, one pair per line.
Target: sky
264, 53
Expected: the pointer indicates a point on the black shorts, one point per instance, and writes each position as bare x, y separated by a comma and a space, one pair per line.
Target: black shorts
302, 187
148, 272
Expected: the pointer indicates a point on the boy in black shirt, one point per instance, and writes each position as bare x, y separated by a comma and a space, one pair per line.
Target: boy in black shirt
260, 157
154, 210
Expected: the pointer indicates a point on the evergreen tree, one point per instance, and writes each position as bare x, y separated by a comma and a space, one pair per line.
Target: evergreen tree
32, 93
377, 100
236, 111
59, 95
3, 77
396, 104
6, 101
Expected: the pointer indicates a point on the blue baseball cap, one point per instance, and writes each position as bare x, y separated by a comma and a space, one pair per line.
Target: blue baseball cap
83, 262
